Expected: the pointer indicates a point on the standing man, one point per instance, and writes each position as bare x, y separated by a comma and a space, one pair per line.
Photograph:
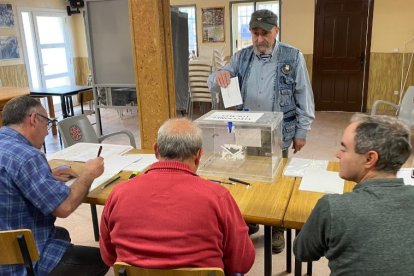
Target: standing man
272, 77
368, 231
169, 217
32, 195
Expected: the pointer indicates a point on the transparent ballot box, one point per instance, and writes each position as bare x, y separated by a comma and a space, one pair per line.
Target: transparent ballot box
240, 144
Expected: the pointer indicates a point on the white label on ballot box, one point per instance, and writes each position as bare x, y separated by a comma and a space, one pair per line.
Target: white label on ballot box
249, 117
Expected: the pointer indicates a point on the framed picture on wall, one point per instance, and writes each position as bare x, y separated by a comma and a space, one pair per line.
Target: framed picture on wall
9, 48
213, 24
6, 16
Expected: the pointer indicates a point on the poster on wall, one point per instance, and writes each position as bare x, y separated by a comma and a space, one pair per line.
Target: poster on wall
8, 47
6, 16
213, 24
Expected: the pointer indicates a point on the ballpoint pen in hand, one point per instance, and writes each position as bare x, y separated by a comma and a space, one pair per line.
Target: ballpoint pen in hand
239, 181
99, 151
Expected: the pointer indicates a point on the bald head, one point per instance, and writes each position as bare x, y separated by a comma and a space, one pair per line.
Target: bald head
179, 139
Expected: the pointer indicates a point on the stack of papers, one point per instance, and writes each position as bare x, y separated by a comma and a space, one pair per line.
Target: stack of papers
112, 166
82, 152
298, 166
143, 161
322, 181
406, 174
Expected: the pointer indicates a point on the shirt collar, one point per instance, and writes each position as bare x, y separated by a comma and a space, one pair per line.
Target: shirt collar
383, 182
11, 132
169, 166
273, 53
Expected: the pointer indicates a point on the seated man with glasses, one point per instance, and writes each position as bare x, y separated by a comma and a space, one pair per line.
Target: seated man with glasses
32, 195
50, 122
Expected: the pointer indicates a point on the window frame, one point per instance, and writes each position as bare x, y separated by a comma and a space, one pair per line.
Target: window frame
195, 25
254, 9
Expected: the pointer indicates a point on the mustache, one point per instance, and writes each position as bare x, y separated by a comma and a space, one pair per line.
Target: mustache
263, 44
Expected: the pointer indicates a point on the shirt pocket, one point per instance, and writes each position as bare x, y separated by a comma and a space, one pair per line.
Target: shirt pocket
286, 97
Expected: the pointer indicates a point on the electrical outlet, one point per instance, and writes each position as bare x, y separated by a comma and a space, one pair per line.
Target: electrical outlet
396, 93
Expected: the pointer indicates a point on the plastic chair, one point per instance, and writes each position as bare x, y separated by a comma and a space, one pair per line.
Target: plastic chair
123, 269
78, 129
198, 72
18, 247
404, 111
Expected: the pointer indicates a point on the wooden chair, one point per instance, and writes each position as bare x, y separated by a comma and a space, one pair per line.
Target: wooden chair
123, 269
198, 72
18, 247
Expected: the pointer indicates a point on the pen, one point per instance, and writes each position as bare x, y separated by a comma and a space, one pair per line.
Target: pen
99, 151
110, 182
222, 182
239, 181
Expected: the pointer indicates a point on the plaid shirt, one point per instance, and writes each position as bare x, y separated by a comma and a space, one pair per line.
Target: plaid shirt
28, 196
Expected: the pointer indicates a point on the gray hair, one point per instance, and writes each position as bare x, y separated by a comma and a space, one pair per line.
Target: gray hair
179, 139
16, 110
387, 136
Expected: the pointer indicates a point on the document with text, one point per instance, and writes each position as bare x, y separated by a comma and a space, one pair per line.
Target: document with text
82, 152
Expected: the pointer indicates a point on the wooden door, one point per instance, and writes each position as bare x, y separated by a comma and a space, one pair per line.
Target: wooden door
341, 54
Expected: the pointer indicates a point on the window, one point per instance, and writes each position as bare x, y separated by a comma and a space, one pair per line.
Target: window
240, 18
192, 28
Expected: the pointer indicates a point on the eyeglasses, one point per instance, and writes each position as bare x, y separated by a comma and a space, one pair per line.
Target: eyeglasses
50, 122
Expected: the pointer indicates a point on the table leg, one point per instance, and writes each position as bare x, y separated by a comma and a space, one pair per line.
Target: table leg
98, 120
63, 106
298, 264
51, 112
95, 222
288, 250
81, 101
72, 113
267, 250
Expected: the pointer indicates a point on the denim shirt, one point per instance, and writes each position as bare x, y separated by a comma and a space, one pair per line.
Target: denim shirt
289, 82
28, 196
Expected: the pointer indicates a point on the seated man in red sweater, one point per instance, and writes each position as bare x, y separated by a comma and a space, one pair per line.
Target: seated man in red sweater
169, 217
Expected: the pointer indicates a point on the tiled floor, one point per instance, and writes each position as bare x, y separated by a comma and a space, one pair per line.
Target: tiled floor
322, 143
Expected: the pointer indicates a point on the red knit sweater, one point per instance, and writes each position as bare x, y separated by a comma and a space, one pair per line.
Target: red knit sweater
169, 218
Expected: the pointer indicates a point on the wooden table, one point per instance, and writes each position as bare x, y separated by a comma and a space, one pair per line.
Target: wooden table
300, 206
8, 93
261, 203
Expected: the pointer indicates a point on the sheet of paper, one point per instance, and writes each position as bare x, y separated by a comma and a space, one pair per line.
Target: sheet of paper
231, 94
250, 117
406, 174
322, 181
112, 166
249, 137
298, 166
82, 152
144, 161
